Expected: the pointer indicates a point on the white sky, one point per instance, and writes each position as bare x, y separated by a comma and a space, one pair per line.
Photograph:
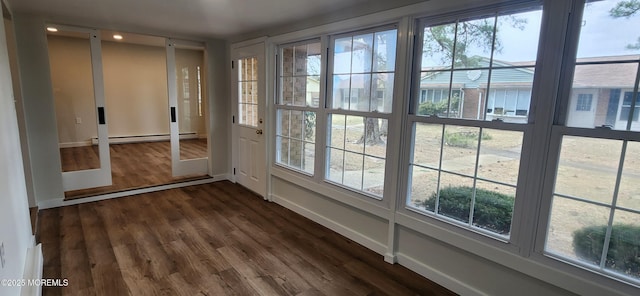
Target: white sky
601, 35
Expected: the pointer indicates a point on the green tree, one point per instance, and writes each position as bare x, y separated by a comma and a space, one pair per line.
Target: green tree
626, 9
452, 42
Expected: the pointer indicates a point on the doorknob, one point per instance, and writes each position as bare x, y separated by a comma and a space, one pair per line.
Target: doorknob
259, 132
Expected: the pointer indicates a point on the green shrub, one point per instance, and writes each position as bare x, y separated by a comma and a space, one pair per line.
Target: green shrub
624, 247
464, 139
492, 210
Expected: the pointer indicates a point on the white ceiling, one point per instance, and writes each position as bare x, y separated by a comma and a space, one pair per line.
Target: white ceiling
202, 18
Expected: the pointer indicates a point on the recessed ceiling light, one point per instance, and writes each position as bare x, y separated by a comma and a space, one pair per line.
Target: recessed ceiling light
52, 29
117, 37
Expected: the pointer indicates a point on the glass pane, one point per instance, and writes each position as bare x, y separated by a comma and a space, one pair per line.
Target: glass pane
510, 95
423, 188
517, 37
282, 125
248, 91
191, 103
336, 165
436, 87
608, 30
337, 133
500, 155
473, 42
300, 76
362, 53
353, 170
309, 126
287, 61
286, 96
454, 200
72, 82
460, 149
493, 207
309, 157
624, 245
468, 89
568, 218
342, 56
629, 193
382, 92
588, 168
296, 125
376, 134
359, 92
355, 134
373, 175
341, 91
437, 50
296, 153
384, 58
602, 96
427, 142
282, 150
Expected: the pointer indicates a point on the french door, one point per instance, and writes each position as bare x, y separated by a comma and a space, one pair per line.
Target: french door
187, 108
79, 96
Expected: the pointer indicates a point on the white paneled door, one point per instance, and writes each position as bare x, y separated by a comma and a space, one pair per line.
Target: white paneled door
249, 121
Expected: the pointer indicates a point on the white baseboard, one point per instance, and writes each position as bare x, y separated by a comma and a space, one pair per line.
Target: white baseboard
436, 276
74, 144
60, 202
32, 271
334, 226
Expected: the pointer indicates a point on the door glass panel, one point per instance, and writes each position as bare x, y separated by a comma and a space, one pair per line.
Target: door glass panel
73, 92
191, 103
248, 91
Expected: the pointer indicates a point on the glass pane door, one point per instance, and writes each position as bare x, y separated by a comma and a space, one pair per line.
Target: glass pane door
188, 108
76, 76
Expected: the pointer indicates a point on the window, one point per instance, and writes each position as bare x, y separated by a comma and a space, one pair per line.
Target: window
594, 218
509, 102
248, 91
297, 104
625, 110
584, 102
362, 79
465, 171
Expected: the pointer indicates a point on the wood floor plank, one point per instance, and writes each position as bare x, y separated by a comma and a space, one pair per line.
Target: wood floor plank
133, 165
212, 239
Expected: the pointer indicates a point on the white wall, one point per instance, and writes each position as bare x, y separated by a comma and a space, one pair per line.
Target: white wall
15, 226
41, 125
135, 80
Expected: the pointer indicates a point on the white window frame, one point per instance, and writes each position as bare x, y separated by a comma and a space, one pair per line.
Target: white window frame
365, 114
511, 241
557, 128
278, 106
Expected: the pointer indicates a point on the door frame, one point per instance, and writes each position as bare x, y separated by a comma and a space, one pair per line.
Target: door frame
196, 166
240, 50
91, 178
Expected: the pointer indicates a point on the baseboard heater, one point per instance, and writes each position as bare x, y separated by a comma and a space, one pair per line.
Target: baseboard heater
145, 138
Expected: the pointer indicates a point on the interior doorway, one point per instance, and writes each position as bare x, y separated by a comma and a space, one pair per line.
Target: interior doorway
137, 78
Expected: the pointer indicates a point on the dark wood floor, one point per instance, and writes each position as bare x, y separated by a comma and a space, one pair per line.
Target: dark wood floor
213, 239
134, 165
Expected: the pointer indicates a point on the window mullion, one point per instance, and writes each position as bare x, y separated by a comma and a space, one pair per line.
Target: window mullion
607, 238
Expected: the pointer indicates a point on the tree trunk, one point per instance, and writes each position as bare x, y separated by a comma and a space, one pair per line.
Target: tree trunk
371, 135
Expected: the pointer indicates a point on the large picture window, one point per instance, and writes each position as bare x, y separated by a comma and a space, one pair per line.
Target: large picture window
465, 171
297, 104
594, 218
362, 81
